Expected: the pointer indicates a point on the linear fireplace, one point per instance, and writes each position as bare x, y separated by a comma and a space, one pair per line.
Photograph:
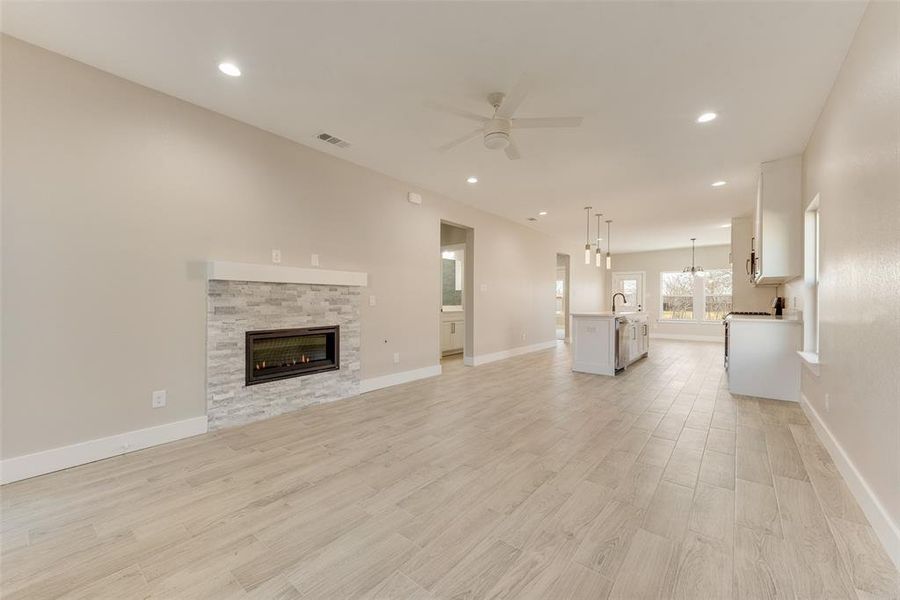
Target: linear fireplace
282, 353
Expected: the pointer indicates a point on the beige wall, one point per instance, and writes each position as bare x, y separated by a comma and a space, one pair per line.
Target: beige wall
656, 262
115, 195
853, 162
587, 283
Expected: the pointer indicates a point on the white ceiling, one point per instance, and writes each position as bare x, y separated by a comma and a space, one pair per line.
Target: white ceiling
639, 73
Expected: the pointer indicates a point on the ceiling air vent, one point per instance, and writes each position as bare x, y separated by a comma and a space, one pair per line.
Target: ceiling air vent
333, 140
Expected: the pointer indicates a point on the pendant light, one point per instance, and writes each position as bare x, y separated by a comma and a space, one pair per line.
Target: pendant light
608, 246
598, 255
587, 235
694, 269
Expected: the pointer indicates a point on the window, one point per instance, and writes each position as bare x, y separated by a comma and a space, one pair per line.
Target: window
685, 297
716, 294
677, 291
811, 276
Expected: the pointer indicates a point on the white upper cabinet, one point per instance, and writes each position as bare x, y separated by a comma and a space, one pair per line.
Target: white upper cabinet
776, 244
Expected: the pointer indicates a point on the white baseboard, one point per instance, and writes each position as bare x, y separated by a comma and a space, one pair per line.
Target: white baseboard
56, 459
688, 338
474, 361
885, 528
376, 383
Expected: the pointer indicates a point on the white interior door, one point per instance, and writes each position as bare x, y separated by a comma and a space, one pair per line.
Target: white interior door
631, 284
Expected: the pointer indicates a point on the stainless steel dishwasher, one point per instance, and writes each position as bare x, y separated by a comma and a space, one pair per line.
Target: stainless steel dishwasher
623, 343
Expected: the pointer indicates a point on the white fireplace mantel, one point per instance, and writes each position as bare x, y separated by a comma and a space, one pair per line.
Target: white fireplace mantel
233, 271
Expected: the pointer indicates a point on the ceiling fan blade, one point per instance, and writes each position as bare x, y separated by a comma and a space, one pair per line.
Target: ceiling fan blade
535, 123
452, 110
512, 151
513, 99
459, 140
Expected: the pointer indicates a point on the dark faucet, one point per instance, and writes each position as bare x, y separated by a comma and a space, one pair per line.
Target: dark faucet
624, 301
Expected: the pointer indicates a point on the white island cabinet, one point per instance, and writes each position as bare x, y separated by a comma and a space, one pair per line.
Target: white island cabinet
605, 342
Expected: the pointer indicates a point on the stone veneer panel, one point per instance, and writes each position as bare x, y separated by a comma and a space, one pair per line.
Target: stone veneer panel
235, 307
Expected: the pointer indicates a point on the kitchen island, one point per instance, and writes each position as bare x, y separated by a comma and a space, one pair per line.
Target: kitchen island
604, 343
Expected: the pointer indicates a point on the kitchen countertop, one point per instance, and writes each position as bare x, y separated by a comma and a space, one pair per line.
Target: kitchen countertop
790, 320
608, 314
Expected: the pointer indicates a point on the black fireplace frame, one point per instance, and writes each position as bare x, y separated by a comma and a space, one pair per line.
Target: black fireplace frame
250, 336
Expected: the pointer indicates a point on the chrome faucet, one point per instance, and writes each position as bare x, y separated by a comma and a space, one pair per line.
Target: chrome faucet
624, 301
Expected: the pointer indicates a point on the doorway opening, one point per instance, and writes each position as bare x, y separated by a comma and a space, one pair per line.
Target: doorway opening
562, 297
456, 318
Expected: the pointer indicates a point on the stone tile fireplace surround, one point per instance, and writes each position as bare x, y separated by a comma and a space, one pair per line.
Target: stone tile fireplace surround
235, 307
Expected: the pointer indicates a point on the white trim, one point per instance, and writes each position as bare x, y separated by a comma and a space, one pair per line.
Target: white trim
376, 383
688, 338
232, 271
885, 528
55, 459
474, 361
811, 360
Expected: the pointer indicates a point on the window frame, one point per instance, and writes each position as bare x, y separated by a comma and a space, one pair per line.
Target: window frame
702, 284
659, 317
812, 242
698, 299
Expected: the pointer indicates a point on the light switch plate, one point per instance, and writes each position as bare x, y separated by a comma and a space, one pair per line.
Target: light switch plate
483, 287
371, 300
276, 256
314, 260
396, 358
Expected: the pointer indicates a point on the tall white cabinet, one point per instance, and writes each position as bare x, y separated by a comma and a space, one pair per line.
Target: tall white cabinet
776, 245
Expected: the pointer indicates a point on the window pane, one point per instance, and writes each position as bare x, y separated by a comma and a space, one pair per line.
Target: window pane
717, 294
677, 290
629, 288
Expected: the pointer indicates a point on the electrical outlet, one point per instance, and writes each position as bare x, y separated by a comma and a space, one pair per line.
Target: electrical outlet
159, 399
371, 300
276, 256
483, 287
396, 358
827, 402
314, 260
523, 336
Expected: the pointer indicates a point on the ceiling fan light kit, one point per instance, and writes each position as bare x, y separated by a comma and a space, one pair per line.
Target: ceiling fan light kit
496, 140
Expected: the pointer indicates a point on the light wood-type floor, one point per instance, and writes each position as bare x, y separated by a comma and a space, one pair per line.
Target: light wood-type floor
517, 479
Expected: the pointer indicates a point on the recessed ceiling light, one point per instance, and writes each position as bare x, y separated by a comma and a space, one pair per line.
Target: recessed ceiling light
472, 179
707, 117
719, 183
542, 213
230, 69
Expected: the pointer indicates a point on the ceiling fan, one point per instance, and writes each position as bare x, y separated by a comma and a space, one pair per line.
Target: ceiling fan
496, 130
